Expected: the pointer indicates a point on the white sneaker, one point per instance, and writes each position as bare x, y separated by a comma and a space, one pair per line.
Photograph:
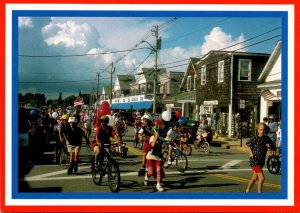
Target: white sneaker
146, 181
169, 161
159, 188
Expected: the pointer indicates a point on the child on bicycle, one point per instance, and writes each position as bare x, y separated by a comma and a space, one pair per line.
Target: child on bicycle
172, 134
257, 147
103, 135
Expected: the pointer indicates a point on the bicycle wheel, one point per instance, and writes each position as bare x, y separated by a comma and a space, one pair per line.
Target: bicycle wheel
273, 164
64, 158
114, 177
181, 162
165, 159
196, 146
206, 147
96, 174
187, 150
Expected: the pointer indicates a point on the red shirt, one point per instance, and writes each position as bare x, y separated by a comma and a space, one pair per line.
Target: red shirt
103, 135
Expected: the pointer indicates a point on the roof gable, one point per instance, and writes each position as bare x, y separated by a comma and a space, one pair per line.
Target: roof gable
274, 60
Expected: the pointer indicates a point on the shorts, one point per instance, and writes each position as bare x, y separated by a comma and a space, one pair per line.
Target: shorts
257, 169
72, 148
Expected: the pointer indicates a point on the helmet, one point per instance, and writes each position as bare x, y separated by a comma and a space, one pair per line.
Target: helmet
72, 120
104, 119
147, 116
272, 116
64, 117
158, 125
182, 120
33, 112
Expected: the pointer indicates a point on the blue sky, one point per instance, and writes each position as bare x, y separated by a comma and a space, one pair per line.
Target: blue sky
182, 38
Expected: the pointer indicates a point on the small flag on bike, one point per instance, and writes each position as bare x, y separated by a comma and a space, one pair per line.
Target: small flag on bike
79, 101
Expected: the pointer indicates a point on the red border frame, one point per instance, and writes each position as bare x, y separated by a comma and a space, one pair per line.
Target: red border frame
5, 208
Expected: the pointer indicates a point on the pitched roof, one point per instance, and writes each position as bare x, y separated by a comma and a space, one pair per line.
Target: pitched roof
271, 62
149, 73
125, 80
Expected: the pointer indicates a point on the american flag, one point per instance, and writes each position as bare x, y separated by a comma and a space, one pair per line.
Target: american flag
79, 101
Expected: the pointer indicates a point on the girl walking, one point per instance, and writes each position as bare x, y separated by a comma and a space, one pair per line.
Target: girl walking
257, 147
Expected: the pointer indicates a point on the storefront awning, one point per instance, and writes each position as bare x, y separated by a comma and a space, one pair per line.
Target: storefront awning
267, 94
132, 105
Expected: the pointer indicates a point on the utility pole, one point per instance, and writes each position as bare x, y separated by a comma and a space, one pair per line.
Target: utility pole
98, 76
111, 73
155, 33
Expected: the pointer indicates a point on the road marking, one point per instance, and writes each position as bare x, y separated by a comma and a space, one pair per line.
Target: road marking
231, 163
135, 151
229, 177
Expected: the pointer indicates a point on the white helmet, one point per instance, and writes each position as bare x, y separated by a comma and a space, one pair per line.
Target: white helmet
72, 120
147, 116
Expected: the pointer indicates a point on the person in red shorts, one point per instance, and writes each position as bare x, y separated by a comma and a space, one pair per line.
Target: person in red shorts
258, 146
146, 132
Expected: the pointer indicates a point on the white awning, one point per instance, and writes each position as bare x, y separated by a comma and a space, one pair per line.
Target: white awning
268, 95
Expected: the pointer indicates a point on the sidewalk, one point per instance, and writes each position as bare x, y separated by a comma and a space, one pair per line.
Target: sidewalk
230, 143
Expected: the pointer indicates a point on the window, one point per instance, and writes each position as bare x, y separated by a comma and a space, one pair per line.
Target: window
188, 83
221, 71
245, 70
195, 79
203, 75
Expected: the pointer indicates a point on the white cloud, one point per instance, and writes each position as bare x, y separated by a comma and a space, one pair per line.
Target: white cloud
217, 39
68, 34
25, 22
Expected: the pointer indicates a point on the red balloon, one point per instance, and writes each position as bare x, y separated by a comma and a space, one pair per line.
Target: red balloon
105, 103
178, 114
103, 111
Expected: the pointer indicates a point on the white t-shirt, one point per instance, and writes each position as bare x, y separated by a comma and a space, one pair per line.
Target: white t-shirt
172, 134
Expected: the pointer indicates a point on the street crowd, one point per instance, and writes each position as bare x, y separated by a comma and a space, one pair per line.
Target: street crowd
68, 127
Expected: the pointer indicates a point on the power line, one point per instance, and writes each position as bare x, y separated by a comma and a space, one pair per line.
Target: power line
79, 55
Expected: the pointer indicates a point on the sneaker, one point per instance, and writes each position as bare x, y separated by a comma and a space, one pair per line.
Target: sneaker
146, 181
169, 161
159, 188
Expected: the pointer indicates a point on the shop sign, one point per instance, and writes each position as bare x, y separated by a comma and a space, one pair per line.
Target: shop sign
216, 102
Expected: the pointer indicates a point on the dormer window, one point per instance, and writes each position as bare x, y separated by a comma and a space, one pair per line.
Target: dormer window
188, 83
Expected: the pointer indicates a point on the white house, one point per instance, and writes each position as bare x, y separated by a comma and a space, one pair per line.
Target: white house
270, 85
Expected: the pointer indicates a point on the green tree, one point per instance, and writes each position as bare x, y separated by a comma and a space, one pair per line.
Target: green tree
59, 100
69, 101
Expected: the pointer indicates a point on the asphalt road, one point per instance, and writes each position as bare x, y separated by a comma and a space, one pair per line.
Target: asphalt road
221, 171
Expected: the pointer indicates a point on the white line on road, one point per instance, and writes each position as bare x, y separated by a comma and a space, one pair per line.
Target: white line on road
231, 163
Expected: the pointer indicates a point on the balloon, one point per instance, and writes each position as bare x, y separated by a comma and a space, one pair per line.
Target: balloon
105, 103
54, 115
111, 120
178, 114
103, 111
166, 116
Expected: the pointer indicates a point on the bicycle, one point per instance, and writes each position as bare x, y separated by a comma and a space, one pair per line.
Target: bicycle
186, 148
108, 166
201, 143
63, 155
177, 156
274, 161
